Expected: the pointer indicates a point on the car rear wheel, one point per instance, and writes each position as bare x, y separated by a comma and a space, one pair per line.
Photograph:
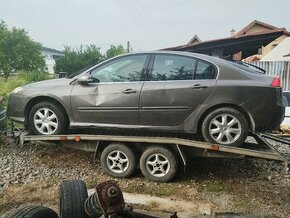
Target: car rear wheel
47, 118
118, 160
158, 164
225, 126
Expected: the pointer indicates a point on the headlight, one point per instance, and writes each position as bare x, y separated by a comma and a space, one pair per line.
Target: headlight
18, 89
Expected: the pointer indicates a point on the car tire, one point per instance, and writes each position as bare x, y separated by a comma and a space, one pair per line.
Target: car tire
225, 126
54, 116
118, 160
72, 197
158, 164
33, 211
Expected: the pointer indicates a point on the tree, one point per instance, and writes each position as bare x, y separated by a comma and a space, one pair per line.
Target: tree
18, 52
115, 50
77, 59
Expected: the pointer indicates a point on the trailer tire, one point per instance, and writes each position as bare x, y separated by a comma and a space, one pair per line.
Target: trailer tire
158, 164
218, 121
118, 160
72, 197
33, 211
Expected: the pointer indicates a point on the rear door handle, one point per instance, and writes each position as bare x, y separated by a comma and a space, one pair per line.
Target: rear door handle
129, 91
198, 86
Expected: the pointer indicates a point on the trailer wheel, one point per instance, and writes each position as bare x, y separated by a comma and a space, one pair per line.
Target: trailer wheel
225, 126
158, 164
33, 211
72, 197
118, 160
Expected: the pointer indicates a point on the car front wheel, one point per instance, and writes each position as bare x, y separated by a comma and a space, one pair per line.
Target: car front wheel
225, 126
47, 118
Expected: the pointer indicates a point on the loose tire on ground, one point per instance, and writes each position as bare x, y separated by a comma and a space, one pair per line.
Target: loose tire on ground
225, 126
118, 160
72, 196
158, 164
33, 211
36, 121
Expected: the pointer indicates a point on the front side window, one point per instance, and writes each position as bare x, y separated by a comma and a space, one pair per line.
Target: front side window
172, 67
125, 69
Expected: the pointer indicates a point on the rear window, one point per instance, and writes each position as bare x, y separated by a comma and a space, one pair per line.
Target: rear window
247, 67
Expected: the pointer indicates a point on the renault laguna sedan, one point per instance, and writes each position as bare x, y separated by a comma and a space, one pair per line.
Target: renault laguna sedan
157, 91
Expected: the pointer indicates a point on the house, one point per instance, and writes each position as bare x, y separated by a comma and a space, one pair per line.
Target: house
256, 39
50, 56
279, 53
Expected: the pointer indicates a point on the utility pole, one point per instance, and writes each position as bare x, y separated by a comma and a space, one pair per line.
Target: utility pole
128, 46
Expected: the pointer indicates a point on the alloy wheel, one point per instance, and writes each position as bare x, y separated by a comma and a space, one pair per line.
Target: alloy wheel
117, 161
157, 165
225, 129
45, 121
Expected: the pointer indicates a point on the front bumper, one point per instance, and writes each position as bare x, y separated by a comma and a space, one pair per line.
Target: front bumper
16, 107
3, 120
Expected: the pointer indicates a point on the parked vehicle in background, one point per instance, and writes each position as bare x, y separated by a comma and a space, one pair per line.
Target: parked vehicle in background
286, 103
2, 115
156, 91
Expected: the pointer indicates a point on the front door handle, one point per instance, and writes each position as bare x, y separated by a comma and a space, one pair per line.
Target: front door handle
199, 86
129, 91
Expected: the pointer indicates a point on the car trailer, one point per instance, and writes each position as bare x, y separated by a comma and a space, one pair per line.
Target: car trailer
160, 156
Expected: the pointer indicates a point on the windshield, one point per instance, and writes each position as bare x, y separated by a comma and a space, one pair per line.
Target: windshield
84, 69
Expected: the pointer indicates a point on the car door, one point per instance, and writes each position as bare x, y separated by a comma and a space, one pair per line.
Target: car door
114, 98
175, 87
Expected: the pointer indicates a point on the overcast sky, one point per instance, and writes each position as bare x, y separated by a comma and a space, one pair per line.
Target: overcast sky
147, 24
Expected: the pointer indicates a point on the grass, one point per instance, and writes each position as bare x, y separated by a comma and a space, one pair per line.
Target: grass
38, 192
214, 186
21, 79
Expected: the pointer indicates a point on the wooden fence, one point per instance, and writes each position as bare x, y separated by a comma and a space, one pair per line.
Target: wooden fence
277, 68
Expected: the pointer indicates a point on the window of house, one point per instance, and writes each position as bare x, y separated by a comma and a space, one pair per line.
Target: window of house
172, 67
125, 69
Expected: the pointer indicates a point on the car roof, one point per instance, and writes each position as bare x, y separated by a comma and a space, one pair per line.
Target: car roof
215, 60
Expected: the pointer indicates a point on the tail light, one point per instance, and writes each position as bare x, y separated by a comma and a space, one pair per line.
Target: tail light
276, 82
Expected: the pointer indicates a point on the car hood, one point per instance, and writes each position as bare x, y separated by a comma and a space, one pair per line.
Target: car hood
48, 83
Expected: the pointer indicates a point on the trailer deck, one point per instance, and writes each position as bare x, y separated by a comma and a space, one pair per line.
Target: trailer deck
262, 149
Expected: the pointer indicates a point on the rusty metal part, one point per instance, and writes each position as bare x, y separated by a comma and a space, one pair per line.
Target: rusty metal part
107, 200
110, 197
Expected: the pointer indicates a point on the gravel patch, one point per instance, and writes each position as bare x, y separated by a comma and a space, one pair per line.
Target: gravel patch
259, 187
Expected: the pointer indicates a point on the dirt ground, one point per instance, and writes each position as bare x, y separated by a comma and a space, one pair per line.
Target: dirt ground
32, 174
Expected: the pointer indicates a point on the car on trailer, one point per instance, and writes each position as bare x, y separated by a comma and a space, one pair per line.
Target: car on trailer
156, 91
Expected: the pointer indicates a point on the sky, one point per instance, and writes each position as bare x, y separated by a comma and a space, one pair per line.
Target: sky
146, 24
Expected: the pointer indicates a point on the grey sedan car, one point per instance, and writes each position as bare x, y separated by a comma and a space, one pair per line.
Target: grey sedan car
156, 91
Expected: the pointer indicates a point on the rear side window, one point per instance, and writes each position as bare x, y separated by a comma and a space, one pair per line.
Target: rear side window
172, 67
204, 70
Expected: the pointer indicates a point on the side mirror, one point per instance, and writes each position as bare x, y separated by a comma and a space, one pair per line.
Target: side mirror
87, 79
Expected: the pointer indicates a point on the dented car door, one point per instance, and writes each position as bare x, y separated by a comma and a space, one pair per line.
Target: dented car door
114, 98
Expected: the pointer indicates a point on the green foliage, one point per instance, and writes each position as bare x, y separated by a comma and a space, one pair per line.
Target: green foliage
114, 51
76, 59
18, 52
23, 78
